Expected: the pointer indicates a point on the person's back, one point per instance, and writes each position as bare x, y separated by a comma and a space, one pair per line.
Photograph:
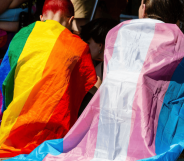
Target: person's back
51, 71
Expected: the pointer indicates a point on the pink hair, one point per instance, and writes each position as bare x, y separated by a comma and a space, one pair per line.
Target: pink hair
65, 6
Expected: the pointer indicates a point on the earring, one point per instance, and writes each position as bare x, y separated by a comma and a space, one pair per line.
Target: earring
100, 52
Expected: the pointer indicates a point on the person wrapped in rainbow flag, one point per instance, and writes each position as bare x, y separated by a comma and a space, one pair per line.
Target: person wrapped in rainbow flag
45, 74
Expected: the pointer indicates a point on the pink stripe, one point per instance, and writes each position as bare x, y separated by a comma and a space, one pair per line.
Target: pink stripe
150, 91
109, 48
82, 136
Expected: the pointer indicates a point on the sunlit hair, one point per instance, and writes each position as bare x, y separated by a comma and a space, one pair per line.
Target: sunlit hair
169, 11
64, 6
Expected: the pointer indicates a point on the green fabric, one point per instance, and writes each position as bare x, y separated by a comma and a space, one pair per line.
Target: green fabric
15, 49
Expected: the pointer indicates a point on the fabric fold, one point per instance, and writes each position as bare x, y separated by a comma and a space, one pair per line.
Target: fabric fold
51, 71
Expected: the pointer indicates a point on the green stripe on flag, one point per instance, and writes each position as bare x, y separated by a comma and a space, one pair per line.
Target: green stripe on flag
15, 50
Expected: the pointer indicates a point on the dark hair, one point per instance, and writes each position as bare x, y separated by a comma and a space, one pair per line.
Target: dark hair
65, 6
97, 29
169, 11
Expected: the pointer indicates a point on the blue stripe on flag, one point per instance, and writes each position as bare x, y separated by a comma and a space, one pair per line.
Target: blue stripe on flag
4, 70
170, 130
171, 155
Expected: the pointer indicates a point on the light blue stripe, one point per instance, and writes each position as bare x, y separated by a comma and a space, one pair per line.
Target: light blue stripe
53, 147
170, 155
170, 130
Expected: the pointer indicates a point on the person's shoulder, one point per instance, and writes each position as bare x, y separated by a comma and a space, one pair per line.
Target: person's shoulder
77, 42
23, 33
78, 38
25, 30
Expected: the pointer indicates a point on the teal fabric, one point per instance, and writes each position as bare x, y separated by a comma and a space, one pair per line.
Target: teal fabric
12, 15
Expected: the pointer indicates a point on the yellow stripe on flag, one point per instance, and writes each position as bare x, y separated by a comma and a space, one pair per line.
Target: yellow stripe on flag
29, 69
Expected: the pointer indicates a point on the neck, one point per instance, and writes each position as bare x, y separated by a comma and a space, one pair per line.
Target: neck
51, 16
59, 17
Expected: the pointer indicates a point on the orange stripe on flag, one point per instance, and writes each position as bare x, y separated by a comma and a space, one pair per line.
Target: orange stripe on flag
56, 97
29, 70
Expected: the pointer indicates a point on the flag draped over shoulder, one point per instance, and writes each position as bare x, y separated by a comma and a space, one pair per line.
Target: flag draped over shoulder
45, 74
138, 111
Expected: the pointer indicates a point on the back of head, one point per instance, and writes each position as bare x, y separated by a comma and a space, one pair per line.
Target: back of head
169, 11
64, 6
97, 29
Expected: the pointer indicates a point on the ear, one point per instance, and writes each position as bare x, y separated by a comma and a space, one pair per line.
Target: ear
71, 20
101, 47
101, 51
143, 9
41, 18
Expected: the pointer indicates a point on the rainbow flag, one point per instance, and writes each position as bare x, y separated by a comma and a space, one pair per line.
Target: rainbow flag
4, 70
138, 113
45, 74
1, 105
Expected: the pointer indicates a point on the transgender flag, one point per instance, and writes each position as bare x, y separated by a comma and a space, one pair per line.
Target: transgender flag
138, 112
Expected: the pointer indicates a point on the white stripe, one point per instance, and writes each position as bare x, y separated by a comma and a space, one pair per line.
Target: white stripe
118, 89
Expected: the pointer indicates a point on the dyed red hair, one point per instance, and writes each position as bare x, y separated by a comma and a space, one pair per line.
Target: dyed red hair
65, 6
